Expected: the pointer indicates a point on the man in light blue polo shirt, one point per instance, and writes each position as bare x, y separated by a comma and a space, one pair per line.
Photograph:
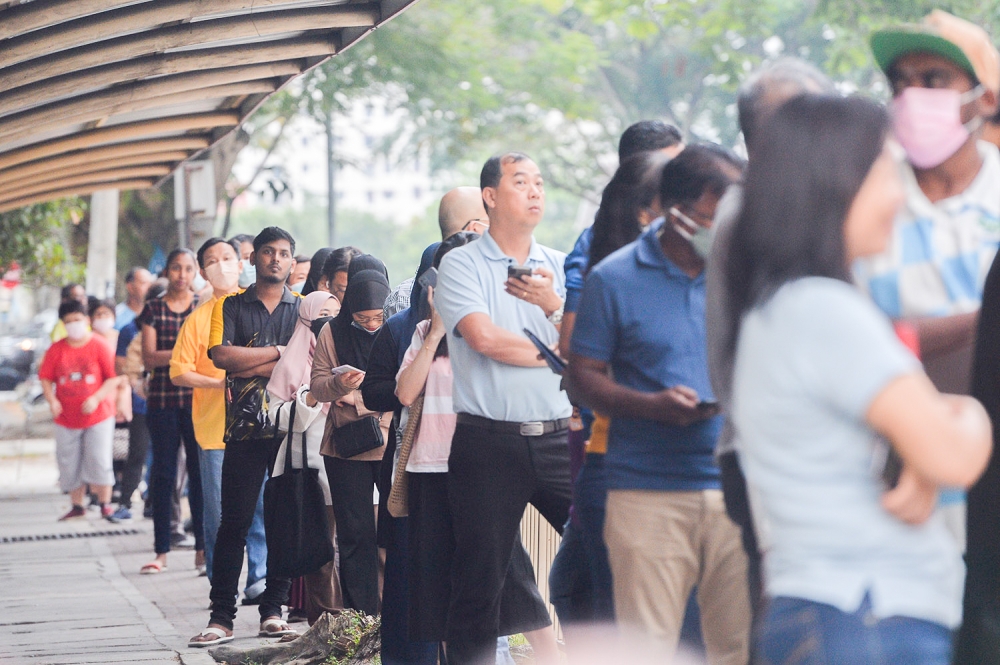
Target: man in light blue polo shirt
639, 355
509, 447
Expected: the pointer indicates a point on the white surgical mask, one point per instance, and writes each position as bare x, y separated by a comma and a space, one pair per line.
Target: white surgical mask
77, 330
699, 237
363, 329
198, 284
103, 324
224, 275
248, 276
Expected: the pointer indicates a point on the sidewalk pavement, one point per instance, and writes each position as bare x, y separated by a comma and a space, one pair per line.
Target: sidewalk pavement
72, 592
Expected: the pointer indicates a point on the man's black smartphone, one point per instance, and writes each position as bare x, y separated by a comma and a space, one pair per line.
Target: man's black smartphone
429, 278
516, 272
555, 363
704, 405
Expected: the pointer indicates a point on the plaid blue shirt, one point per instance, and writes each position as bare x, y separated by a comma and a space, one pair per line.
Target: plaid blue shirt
939, 253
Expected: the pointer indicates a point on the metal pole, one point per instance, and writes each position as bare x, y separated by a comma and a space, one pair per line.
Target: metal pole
331, 204
185, 230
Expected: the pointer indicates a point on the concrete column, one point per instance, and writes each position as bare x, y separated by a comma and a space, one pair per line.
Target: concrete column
102, 245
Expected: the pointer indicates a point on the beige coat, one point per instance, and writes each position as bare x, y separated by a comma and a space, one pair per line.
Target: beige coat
324, 388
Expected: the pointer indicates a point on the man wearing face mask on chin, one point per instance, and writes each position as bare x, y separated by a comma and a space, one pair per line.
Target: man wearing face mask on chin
646, 367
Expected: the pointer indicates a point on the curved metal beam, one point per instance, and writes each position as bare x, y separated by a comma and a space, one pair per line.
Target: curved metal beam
22, 125
125, 21
74, 191
183, 145
186, 35
118, 134
169, 64
86, 179
164, 159
20, 19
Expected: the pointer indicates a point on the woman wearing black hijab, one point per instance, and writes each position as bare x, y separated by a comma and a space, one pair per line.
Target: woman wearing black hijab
354, 440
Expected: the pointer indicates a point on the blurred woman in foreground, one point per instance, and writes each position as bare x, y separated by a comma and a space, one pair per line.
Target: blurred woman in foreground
859, 568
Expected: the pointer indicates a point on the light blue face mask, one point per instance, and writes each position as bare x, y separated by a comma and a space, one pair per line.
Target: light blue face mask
248, 275
697, 235
297, 288
363, 329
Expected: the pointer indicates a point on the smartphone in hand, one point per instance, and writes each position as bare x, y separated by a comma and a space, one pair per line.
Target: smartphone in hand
429, 278
345, 369
516, 272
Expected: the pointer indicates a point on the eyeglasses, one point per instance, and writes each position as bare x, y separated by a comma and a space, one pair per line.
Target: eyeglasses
484, 222
366, 320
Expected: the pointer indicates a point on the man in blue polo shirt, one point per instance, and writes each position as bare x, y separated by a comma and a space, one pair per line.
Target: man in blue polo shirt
639, 355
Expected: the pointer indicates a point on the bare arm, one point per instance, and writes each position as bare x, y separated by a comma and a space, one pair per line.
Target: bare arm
413, 377
50, 396
260, 370
591, 382
196, 380
566, 333
489, 339
945, 334
239, 359
946, 439
152, 358
109, 386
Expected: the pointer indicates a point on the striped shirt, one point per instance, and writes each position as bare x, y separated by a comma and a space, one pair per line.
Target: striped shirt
437, 422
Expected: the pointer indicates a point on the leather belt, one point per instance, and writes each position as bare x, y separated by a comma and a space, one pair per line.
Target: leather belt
530, 428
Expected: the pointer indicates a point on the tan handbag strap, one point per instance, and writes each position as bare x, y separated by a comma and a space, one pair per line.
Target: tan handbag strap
398, 503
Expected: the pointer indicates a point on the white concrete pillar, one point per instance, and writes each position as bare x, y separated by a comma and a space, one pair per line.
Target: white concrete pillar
102, 245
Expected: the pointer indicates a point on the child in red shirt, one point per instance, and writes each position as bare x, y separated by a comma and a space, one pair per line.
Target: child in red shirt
79, 381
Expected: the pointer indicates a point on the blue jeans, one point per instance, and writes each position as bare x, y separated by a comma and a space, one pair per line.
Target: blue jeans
169, 429
569, 579
591, 494
211, 488
809, 633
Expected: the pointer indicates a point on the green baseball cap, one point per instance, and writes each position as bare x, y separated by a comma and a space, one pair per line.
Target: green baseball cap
890, 45
956, 40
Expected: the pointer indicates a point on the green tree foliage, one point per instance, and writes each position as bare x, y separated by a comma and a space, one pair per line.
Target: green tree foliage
561, 78
36, 238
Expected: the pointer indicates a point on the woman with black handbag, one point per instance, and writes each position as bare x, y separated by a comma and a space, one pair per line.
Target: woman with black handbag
293, 409
354, 437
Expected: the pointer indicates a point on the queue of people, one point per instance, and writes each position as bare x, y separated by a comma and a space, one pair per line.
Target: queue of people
744, 395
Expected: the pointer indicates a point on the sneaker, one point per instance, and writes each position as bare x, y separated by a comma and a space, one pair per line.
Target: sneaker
107, 511
120, 515
74, 513
177, 541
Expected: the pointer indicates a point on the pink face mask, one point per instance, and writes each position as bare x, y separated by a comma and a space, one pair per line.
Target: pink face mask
928, 123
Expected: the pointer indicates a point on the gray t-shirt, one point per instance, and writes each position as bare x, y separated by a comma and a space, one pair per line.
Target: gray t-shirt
809, 363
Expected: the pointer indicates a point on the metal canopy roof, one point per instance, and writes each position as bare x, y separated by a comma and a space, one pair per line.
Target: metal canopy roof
101, 94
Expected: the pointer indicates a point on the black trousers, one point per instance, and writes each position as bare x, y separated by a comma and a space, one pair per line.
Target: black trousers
431, 548
352, 487
734, 492
978, 641
138, 446
492, 476
243, 470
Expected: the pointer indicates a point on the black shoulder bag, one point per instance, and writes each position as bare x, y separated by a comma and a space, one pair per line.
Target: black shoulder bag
295, 526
